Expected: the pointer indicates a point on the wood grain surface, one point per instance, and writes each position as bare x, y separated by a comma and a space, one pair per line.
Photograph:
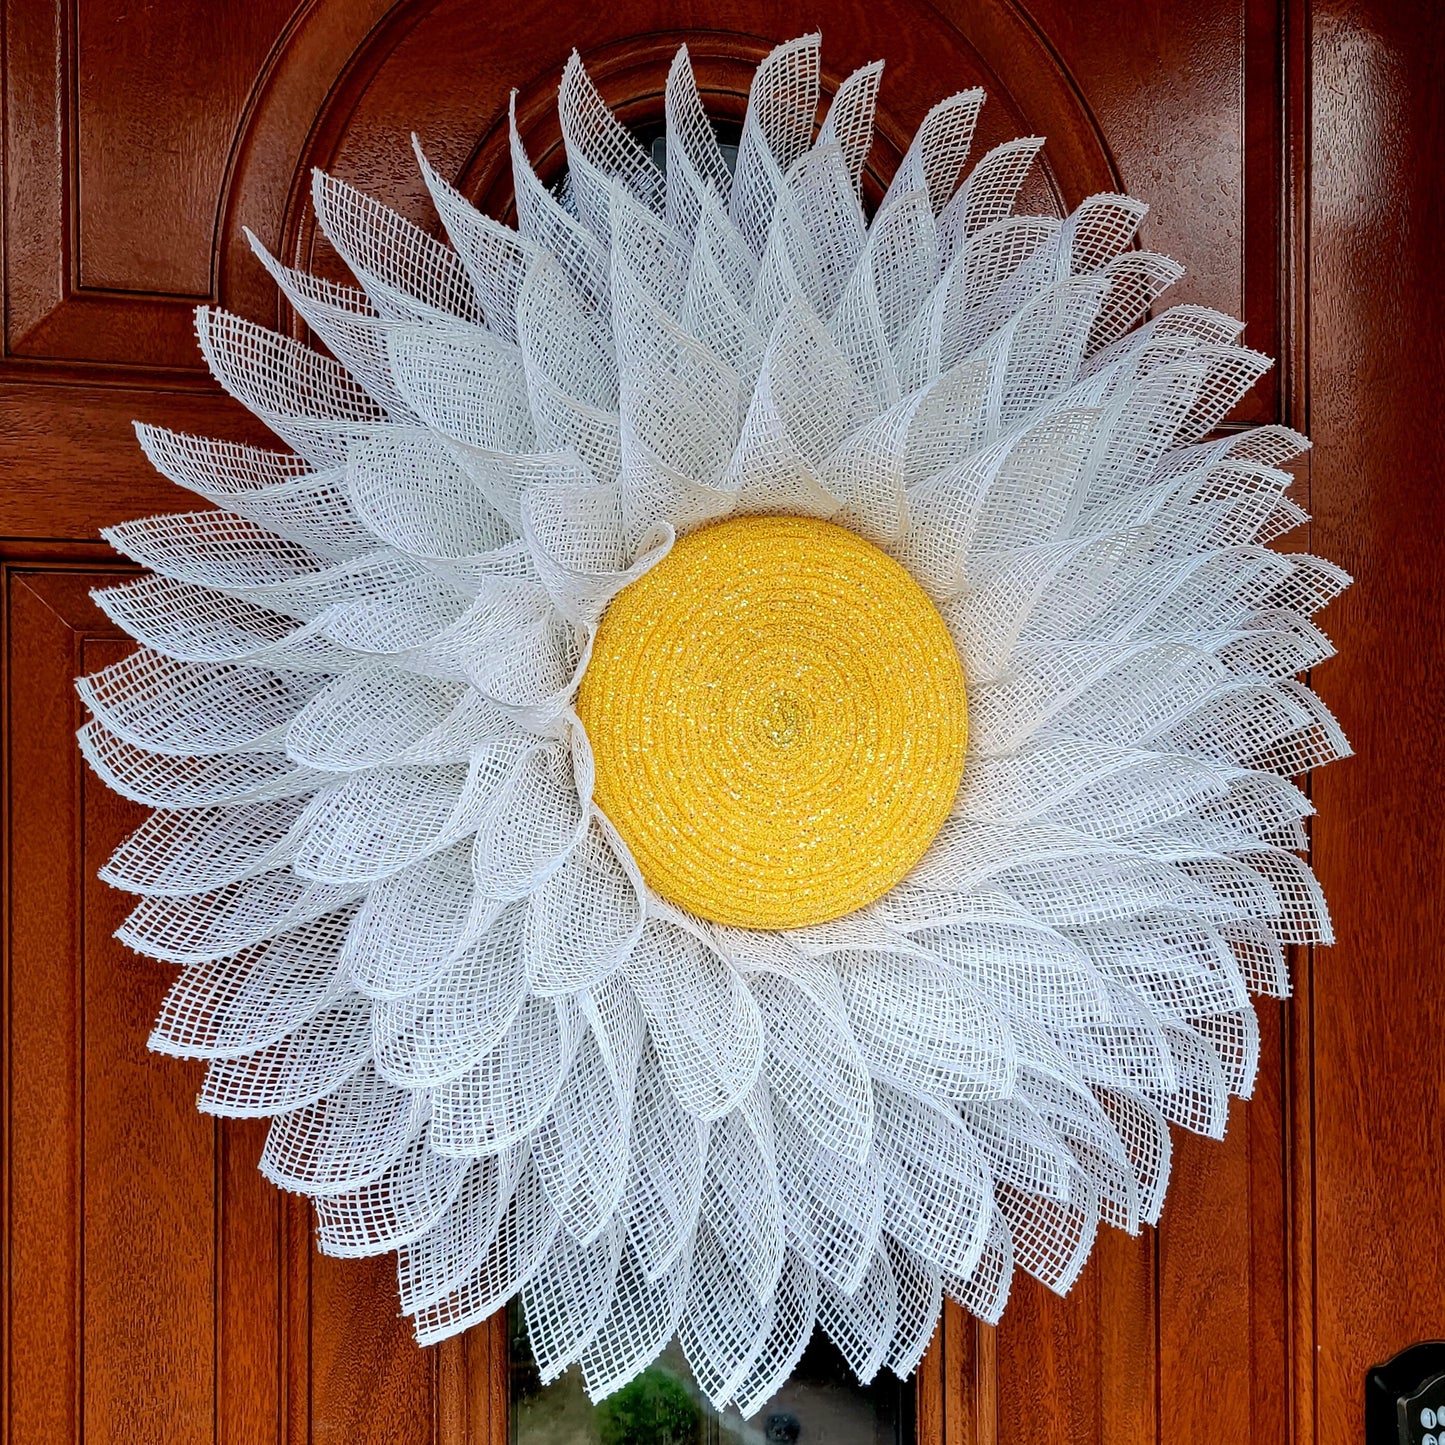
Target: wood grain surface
156, 1288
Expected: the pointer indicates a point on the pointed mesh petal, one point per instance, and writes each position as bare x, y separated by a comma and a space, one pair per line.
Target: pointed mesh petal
664, 1180
584, 921
406, 274
862, 1323
985, 1292
600, 149
411, 492
795, 1310
399, 1206
194, 850
248, 1000
849, 122
343, 318
642, 1319
501, 1100
494, 255
568, 1296
938, 151
920, 1302
315, 1058
308, 400
434, 1034
725, 1321
695, 163
554, 230
406, 934
412, 925
703, 1021
439, 1261
276, 490
833, 1204
782, 104
345, 1139
523, 1239
583, 1147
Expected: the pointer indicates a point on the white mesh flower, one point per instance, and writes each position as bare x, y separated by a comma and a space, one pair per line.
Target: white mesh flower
408, 934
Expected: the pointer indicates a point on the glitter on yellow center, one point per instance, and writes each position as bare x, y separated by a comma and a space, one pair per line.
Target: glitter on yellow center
778, 719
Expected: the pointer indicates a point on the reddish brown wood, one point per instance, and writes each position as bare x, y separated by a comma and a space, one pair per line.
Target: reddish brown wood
968, 1407
167, 101
370, 1384
157, 1287
160, 1288
1374, 367
42, 999
142, 1261
147, 1334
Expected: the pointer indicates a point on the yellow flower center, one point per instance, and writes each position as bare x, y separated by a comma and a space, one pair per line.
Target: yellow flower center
778, 719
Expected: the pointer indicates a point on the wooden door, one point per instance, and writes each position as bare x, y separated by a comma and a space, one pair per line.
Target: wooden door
156, 1287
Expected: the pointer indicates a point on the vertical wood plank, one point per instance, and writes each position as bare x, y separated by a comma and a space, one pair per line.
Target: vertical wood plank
250, 1389
42, 1037
1204, 1284
1083, 1367
453, 1423
1049, 1363
295, 1314
1126, 1323
1269, 1342
982, 1417
149, 1164
1376, 355
970, 1381
929, 1388
370, 1383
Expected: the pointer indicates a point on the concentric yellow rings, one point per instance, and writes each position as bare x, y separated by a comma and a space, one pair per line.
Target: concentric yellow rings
778, 719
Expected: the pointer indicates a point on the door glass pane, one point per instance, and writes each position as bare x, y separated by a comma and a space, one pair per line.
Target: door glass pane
822, 1404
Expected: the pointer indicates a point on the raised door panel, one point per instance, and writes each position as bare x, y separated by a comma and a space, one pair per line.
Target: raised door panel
1372, 1016
159, 1287
131, 1216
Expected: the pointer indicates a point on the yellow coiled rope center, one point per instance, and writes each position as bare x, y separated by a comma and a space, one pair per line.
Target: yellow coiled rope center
778, 719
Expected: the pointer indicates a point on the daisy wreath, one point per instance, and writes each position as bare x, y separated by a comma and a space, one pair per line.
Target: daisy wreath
735, 776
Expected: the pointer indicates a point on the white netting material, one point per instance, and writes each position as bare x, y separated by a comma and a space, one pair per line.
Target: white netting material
407, 934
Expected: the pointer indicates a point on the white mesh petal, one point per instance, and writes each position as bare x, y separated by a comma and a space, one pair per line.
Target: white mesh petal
641, 1320
703, 1020
583, 1147
309, 1062
405, 272
862, 1323
399, 1206
795, 1311
664, 1181
724, 1320
920, 1301
345, 1139
405, 932
566, 1299
413, 924
522, 1241
501, 1100
276, 490
833, 1204
430, 1035
585, 919
248, 1000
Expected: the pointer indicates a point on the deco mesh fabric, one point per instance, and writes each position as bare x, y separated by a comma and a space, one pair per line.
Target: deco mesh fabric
407, 934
